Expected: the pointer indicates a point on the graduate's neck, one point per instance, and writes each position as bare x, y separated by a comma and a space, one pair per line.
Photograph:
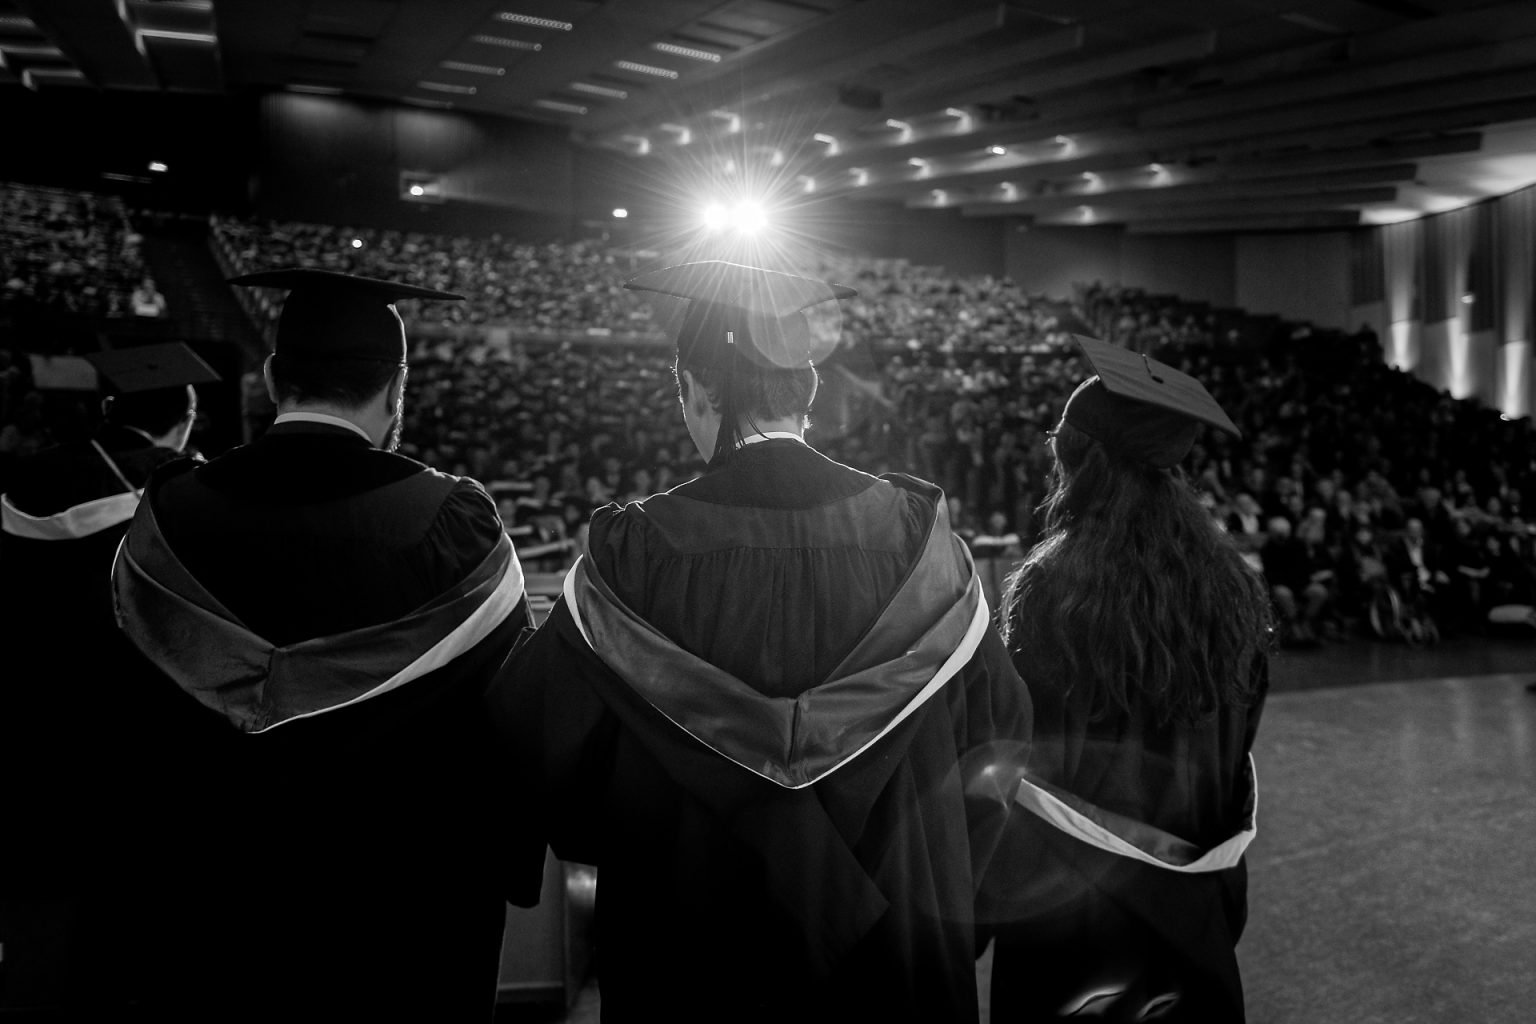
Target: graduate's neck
759, 427
371, 419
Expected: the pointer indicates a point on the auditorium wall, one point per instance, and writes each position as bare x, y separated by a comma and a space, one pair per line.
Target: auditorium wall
104, 142
934, 238
1049, 261
1452, 297
338, 160
1297, 276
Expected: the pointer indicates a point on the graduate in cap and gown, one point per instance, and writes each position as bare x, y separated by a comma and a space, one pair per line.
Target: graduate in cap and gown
769, 705
81, 711
342, 608
1143, 638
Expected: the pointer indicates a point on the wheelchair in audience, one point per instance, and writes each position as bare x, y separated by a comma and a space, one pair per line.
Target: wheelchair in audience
1400, 611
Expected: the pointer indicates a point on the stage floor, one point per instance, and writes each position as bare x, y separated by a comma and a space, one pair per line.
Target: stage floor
1394, 875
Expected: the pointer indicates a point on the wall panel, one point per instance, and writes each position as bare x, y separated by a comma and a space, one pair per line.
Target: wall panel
1303, 277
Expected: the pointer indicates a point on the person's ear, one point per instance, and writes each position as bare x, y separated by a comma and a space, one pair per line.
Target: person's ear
693, 393
395, 393
266, 376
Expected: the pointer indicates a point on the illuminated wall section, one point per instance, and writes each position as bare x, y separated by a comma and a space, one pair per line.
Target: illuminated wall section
1458, 298
1516, 269
1402, 247
1515, 379
1403, 345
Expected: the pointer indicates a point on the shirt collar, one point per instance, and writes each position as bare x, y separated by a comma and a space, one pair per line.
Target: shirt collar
320, 417
772, 435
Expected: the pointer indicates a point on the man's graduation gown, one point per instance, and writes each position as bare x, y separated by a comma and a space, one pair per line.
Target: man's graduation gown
340, 608
82, 715
68, 703
766, 707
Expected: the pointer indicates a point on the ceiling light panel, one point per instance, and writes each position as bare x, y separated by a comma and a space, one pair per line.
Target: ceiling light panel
505, 43
644, 69
599, 90
473, 69
533, 22
692, 53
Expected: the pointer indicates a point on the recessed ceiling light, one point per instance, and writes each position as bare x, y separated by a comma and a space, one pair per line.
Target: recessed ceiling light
530, 20
180, 37
503, 41
461, 90
599, 90
686, 51
560, 105
683, 132
997, 151
473, 69
24, 50
644, 69
30, 75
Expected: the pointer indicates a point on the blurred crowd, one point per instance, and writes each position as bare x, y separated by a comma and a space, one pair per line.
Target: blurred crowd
71, 253
1349, 489
569, 286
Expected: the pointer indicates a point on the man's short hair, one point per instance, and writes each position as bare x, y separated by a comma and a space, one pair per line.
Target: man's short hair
348, 383
758, 392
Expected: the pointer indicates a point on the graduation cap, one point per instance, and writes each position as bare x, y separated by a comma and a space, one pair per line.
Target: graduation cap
130, 371
328, 315
757, 313
1139, 407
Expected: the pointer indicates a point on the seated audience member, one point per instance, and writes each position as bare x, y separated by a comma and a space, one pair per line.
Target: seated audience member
1510, 594
1416, 569
147, 300
1468, 566
1323, 556
1362, 569
998, 540
1299, 598
1245, 524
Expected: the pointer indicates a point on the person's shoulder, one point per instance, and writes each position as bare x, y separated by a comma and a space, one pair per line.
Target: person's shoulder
464, 495
920, 500
614, 526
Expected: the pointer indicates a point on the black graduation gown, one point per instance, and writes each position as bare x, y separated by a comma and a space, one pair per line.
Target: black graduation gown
725, 892
345, 861
1078, 919
83, 719
66, 703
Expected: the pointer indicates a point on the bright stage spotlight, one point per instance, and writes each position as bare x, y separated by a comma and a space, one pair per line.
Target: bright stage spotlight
714, 217
749, 217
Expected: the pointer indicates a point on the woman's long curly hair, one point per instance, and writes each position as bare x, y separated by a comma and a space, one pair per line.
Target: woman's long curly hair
1135, 591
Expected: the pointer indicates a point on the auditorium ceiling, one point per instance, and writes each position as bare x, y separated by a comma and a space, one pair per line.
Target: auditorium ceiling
1165, 116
